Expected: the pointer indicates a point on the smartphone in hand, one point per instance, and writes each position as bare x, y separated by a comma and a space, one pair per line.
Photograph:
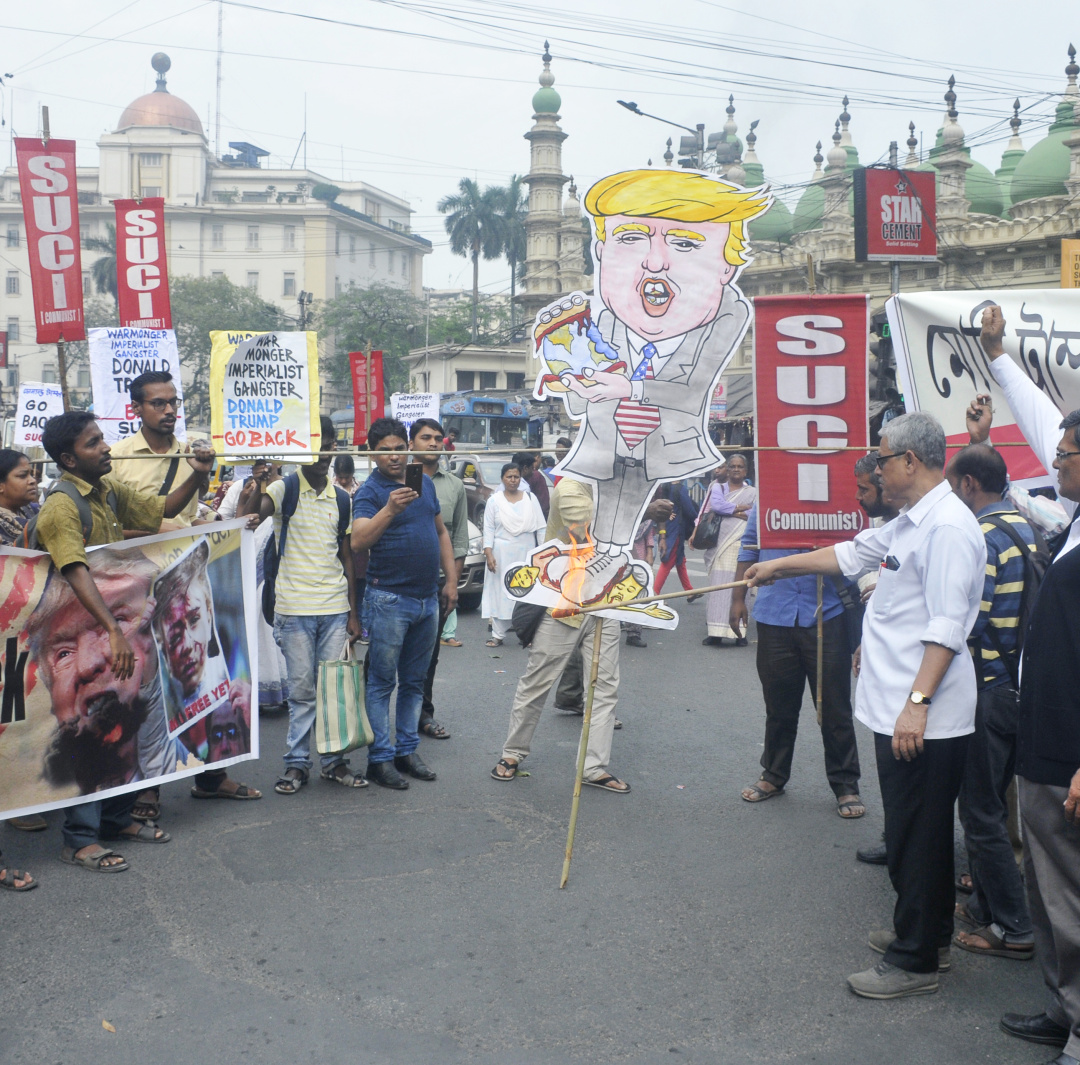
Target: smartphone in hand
414, 477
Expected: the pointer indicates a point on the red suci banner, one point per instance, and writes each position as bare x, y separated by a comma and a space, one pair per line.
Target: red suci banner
895, 216
142, 277
810, 385
51, 214
368, 395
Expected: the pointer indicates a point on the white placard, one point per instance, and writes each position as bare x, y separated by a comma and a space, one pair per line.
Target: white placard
117, 357
409, 407
37, 404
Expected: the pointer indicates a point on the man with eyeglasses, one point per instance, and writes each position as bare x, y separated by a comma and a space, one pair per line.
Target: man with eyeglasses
1048, 737
154, 400
916, 689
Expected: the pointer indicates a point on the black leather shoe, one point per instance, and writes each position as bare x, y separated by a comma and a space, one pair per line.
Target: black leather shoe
386, 776
413, 764
1037, 1029
873, 855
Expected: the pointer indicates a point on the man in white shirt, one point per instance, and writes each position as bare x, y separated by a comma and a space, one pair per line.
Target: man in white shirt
931, 561
1048, 736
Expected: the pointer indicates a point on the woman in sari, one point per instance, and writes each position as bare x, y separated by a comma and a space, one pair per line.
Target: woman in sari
732, 501
512, 522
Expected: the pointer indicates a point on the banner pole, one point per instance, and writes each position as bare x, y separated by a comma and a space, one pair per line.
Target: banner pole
820, 643
367, 386
61, 364
583, 746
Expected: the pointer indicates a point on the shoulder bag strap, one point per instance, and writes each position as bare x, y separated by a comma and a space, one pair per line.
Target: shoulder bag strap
170, 476
289, 501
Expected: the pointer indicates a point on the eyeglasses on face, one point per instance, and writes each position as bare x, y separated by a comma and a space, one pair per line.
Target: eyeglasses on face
882, 459
163, 404
1061, 456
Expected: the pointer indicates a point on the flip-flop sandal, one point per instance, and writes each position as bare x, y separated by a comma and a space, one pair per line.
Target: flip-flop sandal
243, 793
453, 642
511, 766
7, 882
843, 808
494, 643
433, 730
998, 948
146, 811
607, 783
348, 779
291, 782
92, 862
758, 794
145, 834
960, 912
963, 884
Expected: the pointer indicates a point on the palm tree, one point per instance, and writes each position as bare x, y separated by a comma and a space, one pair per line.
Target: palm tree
103, 270
515, 209
475, 225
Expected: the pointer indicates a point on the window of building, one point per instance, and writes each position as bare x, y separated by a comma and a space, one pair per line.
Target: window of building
253, 238
352, 248
216, 275
150, 158
13, 378
1034, 262
48, 376
151, 190
337, 286
84, 232
13, 236
391, 253
288, 285
12, 329
931, 272
337, 242
1003, 266
253, 279
371, 256
11, 285
87, 284
217, 236
488, 379
290, 238
973, 268
465, 381
84, 379
515, 380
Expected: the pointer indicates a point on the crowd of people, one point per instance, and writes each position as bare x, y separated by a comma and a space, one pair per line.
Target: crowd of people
952, 608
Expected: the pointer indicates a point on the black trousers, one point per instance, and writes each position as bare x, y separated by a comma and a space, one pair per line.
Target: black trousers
786, 661
918, 798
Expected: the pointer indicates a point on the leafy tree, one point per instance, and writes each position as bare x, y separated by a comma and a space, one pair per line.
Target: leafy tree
200, 304
476, 226
515, 209
103, 270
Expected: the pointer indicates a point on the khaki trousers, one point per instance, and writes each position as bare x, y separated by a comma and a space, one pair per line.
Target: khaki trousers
552, 646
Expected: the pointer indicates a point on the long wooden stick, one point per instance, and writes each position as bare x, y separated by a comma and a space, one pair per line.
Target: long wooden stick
820, 642
583, 746
660, 598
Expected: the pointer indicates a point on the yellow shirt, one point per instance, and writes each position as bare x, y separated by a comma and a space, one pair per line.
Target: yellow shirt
148, 475
310, 579
59, 528
571, 505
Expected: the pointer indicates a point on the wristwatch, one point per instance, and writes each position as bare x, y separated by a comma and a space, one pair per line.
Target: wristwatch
919, 699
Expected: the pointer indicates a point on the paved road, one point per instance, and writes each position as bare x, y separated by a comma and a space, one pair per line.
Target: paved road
400, 929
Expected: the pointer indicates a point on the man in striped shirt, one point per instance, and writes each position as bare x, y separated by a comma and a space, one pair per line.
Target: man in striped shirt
997, 911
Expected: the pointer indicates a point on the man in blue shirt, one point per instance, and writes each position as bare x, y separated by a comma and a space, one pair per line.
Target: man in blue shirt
406, 541
786, 616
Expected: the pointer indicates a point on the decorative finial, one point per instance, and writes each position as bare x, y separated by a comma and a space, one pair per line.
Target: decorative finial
1072, 69
161, 63
730, 126
837, 156
818, 157
669, 156
950, 97
836, 133
845, 118
1015, 121
912, 141
751, 137
547, 52
547, 79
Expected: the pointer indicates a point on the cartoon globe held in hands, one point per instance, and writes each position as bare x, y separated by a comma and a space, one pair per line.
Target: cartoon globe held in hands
570, 346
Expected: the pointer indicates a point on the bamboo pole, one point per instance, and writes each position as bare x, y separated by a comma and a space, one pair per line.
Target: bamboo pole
820, 643
660, 598
583, 746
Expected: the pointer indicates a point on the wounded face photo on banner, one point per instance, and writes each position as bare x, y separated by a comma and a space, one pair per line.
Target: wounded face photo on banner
195, 674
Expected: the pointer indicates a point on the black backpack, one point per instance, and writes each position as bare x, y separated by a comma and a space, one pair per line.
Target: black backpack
86, 519
1036, 563
272, 553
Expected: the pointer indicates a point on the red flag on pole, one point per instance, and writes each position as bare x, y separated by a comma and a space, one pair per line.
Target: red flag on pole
51, 214
368, 397
142, 276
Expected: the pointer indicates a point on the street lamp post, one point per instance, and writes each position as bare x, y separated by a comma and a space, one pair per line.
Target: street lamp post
698, 132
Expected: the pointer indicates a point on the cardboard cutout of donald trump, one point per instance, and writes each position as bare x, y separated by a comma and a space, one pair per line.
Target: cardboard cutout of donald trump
669, 246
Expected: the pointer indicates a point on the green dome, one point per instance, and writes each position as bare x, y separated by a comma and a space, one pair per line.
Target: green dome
1045, 167
810, 209
546, 102
1009, 163
981, 188
775, 226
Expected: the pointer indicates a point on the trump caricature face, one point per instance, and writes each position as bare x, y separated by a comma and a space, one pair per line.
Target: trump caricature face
187, 628
661, 277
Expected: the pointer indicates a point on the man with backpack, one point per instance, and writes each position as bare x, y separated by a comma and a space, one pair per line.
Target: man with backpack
997, 910
313, 599
88, 507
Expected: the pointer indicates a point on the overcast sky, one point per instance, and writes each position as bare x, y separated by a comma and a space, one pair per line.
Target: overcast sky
412, 96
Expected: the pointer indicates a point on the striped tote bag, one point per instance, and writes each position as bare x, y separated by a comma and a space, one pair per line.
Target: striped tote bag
341, 721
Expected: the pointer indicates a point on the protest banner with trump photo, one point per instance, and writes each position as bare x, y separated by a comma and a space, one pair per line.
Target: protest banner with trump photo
69, 730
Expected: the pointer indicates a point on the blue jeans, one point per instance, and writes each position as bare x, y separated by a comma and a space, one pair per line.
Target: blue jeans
88, 822
305, 641
403, 634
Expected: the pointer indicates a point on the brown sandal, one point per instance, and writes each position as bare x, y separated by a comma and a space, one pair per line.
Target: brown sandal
511, 766
758, 793
998, 947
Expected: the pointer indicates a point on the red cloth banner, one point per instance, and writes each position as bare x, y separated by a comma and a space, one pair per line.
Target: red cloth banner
895, 216
810, 385
142, 277
3, 351
51, 214
368, 395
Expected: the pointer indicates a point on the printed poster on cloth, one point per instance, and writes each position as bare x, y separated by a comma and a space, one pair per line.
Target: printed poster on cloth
142, 275
409, 407
51, 214
117, 357
37, 404
941, 366
810, 388
264, 394
186, 602
367, 405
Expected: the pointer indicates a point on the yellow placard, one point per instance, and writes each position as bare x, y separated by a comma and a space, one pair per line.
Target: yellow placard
264, 393
1070, 264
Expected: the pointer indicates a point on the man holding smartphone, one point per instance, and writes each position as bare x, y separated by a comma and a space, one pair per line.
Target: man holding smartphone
403, 531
